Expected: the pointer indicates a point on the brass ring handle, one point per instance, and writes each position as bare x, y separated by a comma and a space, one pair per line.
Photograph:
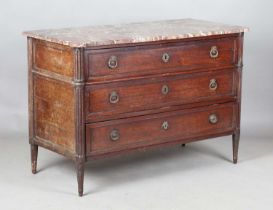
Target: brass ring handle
114, 135
114, 97
214, 52
113, 62
165, 89
213, 119
165, 57
165, 125
213, 84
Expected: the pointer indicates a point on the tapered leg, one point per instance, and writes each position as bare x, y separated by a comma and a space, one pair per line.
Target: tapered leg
80, 175
183, 145
34, 155
235, 145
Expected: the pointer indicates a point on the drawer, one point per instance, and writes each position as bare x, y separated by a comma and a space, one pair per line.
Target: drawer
132, 96
126, 134
151, 59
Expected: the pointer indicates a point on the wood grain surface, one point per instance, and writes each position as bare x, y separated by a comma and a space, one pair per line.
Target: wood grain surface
147, 130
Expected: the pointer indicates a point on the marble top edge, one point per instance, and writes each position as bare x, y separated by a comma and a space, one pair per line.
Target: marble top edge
127, 33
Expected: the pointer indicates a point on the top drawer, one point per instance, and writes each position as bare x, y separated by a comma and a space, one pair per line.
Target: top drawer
161, 58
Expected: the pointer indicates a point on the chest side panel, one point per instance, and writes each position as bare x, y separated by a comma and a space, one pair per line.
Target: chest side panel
54, 106
57, 89
53, 58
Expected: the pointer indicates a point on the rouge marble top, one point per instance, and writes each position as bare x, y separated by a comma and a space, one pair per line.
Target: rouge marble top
134, 32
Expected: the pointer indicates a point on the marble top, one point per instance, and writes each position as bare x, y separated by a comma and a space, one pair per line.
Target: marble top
134, 32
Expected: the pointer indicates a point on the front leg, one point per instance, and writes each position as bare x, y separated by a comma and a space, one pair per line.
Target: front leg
34, 155
80, 174
235, 145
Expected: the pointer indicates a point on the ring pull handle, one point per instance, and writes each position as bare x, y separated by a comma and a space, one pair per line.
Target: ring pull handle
213, 84
165, 89
114, 97
114, 135
213, 119
214, 52
165, 57
113, 62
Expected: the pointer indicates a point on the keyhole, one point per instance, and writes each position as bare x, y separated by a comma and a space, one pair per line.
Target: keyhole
165, 89
165, 57
165, 125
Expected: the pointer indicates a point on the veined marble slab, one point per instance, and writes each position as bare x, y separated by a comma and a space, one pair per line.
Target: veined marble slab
134, 32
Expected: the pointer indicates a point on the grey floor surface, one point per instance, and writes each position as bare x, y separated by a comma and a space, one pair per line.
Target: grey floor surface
199, 176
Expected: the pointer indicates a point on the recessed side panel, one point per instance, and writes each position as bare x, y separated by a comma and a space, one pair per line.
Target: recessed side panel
54, 118
54, 58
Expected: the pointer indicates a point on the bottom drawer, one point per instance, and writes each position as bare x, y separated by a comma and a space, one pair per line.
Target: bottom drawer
137, 132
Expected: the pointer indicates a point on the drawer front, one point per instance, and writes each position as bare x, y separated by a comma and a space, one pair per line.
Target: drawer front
161, 58
118, 135
123, 97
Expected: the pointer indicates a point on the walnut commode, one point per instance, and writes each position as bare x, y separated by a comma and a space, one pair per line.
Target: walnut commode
104, 90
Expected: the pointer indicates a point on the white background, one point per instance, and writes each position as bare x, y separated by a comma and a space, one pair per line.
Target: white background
199, 176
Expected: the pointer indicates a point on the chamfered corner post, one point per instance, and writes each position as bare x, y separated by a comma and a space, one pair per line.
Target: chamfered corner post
33, 146
236, 133
79, 86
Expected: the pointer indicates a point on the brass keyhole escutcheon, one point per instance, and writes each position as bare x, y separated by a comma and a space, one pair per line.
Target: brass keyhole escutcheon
113, 62
165, 89
213, 84
213, 119
114, 135
165, 57
114, 97
214, 52
165, 125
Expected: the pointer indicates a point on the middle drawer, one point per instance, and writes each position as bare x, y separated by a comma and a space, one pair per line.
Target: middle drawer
137, 95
